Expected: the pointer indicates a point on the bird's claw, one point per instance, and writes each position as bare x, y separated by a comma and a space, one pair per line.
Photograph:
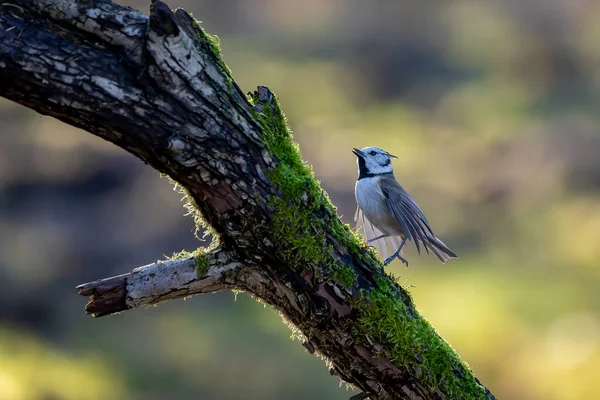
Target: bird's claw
403, 260
391, 258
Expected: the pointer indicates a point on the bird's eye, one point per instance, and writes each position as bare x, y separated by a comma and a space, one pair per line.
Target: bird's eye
373, 153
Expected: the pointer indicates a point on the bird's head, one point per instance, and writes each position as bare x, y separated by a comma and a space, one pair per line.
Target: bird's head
373, 161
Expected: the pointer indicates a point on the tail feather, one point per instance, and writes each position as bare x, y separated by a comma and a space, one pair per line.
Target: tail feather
441, 251
391, 243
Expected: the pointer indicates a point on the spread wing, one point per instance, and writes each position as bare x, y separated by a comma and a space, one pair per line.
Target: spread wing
369, 231
407, 213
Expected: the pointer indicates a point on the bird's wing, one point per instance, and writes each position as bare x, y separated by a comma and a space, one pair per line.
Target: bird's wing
407, 213
369, 231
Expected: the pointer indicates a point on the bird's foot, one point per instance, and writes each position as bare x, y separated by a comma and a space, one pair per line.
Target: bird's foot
388, 260
375, 238
403, 260
391, 258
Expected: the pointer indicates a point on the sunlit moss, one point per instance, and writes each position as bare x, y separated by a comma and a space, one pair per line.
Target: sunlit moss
193, 210
200, 254
201, 262
213, 44
202, 265
387, 315
303, 212
345, 276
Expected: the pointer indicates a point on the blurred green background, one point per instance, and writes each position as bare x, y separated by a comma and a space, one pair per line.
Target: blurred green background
492, 108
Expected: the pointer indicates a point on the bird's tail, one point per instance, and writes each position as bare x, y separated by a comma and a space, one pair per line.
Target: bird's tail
441, 251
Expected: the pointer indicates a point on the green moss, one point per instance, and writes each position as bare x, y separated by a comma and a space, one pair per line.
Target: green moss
300, 236
193, 210
212, 43
179, 255
202, 264
387, 315
201, 261
345, 276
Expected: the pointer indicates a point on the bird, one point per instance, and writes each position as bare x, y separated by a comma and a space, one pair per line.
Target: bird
387, 214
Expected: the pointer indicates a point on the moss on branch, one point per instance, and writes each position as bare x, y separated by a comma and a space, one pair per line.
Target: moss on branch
387, 317
303, 213
200, 255
386, 313
212, 45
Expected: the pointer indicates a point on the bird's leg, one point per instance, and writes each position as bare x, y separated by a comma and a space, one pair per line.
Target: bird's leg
374, 239
397, 254
403, 260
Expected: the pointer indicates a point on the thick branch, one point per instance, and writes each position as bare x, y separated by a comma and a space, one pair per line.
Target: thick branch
157, 87
161, 281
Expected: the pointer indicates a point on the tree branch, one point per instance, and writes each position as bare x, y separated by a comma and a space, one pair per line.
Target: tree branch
163, 280
157, 87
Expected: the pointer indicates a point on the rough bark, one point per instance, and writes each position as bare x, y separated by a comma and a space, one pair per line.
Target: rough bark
163, 280
157, 87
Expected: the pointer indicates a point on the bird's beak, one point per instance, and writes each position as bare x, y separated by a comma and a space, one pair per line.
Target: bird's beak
357, 152
392, 156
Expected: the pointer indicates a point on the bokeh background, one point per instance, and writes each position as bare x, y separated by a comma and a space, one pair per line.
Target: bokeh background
492, 108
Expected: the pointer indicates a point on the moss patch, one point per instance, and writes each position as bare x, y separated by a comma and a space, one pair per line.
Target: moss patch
193, 210
212, 44
387, 316
201, 262
386, 313
202, 265
345, 276
300, 236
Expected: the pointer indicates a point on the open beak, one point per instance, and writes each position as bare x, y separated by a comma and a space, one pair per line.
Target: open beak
358, 152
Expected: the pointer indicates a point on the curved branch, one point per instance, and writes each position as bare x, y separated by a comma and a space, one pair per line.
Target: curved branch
156, 86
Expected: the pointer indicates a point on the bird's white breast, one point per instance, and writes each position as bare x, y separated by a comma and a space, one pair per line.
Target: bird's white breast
372, 202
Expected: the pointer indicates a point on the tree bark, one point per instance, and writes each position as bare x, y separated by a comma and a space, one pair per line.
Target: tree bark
161, 281
157, 87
